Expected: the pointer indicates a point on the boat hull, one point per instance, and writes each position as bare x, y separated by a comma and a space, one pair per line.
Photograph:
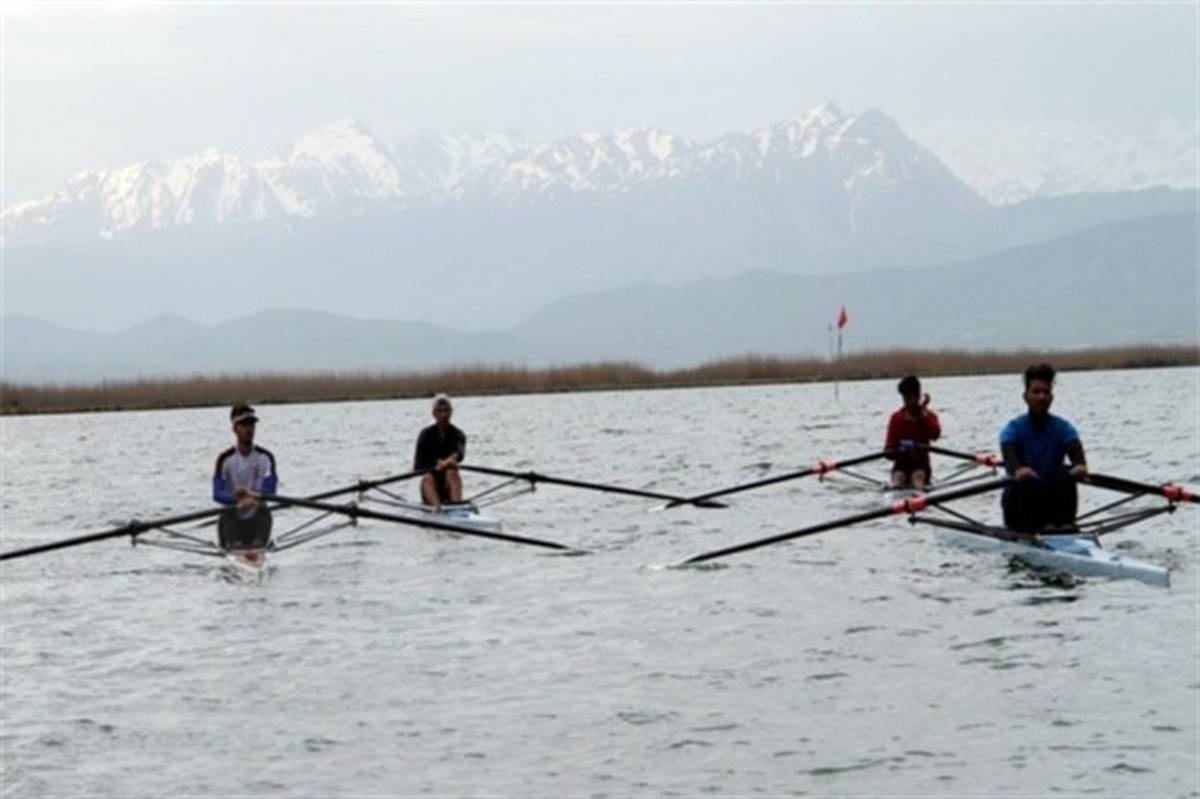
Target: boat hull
1069, 553
465, 515
248, 562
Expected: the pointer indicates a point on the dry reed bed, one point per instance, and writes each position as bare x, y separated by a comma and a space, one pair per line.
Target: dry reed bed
485, 379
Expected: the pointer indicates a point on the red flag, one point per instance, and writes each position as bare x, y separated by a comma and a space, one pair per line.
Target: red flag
842, 318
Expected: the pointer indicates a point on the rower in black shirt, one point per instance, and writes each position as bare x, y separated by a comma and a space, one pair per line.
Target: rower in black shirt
441, 447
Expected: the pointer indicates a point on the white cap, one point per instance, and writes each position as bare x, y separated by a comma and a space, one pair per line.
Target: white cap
442, 399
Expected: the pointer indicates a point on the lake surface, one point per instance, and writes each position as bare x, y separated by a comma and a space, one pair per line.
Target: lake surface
387, 660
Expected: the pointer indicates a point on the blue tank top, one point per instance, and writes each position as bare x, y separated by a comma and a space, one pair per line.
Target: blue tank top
1043, 448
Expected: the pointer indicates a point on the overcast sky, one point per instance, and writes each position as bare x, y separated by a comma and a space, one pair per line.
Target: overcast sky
99, 86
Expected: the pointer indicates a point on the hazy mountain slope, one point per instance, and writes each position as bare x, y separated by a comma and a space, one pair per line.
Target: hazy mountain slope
478, 231
1132, 281
268, 341
1125, 282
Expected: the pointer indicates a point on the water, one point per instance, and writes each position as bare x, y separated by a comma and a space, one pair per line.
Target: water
388, 660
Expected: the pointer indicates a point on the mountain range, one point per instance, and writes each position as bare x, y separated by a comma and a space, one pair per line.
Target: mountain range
863, 160
491, 246
1125, 282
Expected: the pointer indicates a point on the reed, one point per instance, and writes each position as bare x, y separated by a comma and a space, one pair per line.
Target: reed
225, 389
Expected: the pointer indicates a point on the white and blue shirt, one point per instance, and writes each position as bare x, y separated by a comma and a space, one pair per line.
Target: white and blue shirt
254, 470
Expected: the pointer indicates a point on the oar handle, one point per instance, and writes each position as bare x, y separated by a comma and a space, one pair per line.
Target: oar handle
1172, 492
982, 458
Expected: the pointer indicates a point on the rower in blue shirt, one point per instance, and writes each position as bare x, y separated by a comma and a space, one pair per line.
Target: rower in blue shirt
1035, 446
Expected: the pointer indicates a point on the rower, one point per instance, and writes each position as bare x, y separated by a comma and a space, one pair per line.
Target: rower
1034, 446
441, 447
909, 431
244, 473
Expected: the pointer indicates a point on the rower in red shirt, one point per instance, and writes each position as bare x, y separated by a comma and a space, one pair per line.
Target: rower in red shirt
909, 429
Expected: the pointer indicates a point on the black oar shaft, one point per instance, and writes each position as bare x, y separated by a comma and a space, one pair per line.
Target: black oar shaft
133, 528
1170, 491
535, 477
822, 467
908, 506
354, 511
360, 486
981, 458
366, 485
136, 527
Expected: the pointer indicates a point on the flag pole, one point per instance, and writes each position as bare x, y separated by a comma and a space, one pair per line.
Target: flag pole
837, 362
837, 368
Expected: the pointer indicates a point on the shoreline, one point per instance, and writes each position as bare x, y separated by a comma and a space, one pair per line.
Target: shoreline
18, 399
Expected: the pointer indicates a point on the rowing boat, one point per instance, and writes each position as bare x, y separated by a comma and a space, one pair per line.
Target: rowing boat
1076, 551
463, 514
248, 562
1070, 552
251, 556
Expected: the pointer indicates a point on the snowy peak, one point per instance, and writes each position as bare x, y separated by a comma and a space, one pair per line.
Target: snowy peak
209, 186
342, 167
348, 159
1010, 162
594, 162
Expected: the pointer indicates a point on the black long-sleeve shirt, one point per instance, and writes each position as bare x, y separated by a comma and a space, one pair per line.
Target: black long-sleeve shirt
432, 446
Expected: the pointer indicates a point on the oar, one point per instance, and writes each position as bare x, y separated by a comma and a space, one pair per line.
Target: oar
534, 477
366, 485
1171, 491
910, 506
981, 458
133, 528
360, 486
354, 512
821, 467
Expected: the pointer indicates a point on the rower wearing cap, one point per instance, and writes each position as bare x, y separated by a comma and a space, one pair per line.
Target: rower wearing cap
909, 432
244, 472
1035, 446
441, 447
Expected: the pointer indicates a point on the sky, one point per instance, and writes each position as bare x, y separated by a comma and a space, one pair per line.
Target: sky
96, 86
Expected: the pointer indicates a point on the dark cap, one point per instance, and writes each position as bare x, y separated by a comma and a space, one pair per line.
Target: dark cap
242, 413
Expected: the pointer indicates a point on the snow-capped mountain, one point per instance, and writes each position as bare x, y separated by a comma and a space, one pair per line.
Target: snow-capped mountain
210, 186
855, 172
338, 165
332, 165
1008, 162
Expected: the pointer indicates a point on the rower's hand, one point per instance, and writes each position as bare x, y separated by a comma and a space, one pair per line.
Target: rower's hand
246, 498
1079, 470
1025, 473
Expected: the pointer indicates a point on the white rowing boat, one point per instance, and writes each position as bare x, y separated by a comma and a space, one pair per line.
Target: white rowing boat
1073, 553
1076, 551
462, 514
248, 562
